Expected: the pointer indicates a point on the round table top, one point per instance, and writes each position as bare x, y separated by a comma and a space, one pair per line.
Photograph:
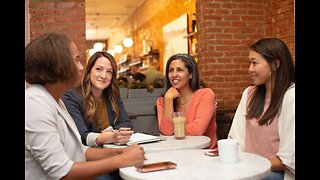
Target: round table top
193, 164
169, 143
190, 142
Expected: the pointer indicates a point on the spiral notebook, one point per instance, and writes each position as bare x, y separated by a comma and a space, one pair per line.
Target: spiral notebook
139, 138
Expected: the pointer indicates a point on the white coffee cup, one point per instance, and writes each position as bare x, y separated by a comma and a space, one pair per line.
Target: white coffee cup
228, 150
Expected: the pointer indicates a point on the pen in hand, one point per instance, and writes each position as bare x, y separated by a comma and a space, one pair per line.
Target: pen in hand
124, 135
124, 129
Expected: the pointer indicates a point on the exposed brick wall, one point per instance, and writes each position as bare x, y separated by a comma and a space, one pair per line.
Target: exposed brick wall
280, 22
225, 30
66, 17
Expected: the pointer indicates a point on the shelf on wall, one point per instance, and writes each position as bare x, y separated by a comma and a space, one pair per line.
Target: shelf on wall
143, 68
190, 35
194, 55
135, 62
119, 63
122, 59
122, 71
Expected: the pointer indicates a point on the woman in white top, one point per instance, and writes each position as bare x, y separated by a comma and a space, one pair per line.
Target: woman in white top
265, 118
53, 148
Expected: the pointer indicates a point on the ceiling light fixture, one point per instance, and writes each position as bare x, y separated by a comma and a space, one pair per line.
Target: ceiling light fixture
118, 48
127, 42
111, 51
92, 51
98, 46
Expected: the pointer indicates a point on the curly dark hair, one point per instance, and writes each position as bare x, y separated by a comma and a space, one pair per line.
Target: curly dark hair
48, 59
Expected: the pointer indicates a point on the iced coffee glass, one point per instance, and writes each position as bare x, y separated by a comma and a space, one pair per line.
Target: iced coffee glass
179, 125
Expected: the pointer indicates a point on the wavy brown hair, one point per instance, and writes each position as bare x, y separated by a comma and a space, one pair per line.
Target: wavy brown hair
272, 50
112, 91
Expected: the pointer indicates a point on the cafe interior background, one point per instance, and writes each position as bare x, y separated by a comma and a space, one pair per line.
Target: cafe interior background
216, 32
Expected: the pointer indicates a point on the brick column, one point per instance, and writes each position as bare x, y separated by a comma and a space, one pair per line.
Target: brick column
66, 17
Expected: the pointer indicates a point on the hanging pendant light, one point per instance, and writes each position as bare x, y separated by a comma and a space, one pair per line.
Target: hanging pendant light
111, 51
98, 46
118, 48
127, 42
92, 51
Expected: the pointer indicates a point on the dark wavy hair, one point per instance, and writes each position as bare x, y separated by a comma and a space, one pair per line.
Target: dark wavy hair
274, 51
192, 66
48, 59
112, 91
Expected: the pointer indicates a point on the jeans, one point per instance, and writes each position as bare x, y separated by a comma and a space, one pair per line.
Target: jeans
275, 175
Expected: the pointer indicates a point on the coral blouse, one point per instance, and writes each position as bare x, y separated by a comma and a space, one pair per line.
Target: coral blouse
200, 116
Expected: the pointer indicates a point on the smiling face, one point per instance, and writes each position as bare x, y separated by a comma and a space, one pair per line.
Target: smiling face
101, 74
259, 69
179, 75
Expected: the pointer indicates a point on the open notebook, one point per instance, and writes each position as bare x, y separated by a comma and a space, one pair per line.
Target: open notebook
139, 138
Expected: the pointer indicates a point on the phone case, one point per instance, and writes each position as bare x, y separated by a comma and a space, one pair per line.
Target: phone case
156, 166
214, 152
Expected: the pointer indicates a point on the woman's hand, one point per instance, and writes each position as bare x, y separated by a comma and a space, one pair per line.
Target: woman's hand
172, 93
134, 155
122, 135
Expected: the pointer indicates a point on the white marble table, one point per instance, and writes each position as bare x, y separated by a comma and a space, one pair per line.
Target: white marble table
193, 164
191, 142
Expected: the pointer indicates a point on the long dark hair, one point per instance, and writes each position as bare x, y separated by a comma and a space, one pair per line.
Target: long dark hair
273, 50
192, 67
112, 91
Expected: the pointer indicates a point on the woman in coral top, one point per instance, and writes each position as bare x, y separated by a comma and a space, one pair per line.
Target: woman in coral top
183, 94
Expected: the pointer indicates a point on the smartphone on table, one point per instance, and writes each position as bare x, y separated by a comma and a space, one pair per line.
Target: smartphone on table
156, 166
213, 152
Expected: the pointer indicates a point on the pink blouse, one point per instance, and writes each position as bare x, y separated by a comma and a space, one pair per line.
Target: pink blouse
200, 116
262, 140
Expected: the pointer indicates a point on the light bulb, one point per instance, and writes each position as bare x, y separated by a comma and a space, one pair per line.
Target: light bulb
127, 42
92, 51
118, 48
111, 51
98, 46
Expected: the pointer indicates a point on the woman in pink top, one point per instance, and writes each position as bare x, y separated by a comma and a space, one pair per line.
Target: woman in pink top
264, 120
183, 94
